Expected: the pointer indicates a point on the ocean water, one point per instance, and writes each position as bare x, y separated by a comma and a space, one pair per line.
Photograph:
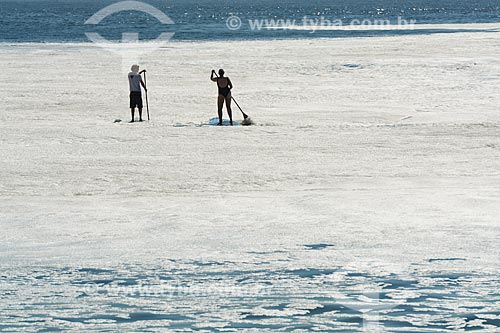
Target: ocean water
64, 20
234, 297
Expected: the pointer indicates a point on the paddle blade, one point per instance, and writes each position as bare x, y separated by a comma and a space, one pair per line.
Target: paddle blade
247, 122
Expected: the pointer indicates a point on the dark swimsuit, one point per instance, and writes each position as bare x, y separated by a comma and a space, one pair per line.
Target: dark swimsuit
224, 91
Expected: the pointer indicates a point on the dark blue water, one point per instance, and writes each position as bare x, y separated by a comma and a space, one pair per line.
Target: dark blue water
63, 20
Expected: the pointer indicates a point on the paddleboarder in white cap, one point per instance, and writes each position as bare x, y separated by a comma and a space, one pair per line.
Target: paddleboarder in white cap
135, 83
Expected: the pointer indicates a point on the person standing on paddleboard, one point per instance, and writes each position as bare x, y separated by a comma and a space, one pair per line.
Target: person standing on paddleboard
225, 85
135, 83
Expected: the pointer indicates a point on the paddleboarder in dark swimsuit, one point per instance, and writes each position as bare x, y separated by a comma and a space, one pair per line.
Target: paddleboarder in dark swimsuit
225, 85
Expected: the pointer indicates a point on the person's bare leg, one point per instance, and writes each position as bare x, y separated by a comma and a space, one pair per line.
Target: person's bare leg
229, 111
140, 115
132, 111
220, 103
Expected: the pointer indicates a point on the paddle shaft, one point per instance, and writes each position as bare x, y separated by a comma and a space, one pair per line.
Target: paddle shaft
147, 103
245, 116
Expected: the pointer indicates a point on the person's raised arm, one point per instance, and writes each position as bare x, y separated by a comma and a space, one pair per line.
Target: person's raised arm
214, 79
143, 85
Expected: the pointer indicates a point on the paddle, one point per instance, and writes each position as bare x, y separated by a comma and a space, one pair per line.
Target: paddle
147, 103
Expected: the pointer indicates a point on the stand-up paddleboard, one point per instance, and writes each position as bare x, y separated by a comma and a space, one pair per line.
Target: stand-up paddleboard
119, 121
225, 122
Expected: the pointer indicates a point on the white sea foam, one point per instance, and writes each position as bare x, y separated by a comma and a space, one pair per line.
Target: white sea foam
371, 181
